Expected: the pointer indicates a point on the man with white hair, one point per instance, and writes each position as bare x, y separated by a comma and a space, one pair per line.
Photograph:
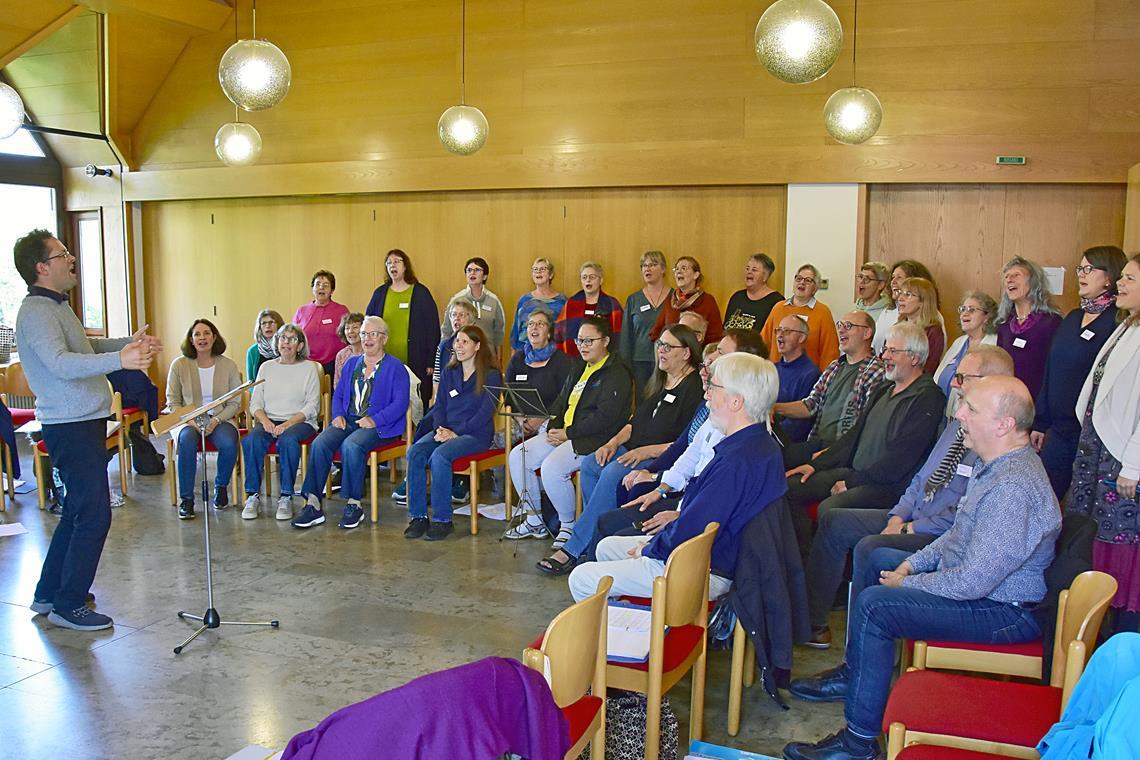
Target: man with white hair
874, 461
744, 476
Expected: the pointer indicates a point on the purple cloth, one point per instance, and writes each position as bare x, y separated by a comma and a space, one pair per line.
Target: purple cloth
1029, 345
480, 711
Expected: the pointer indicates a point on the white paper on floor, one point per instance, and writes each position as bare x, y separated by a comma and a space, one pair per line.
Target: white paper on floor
15, 529
255, 752
490, 511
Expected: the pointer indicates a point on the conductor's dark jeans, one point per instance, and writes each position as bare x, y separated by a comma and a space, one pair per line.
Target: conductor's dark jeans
79, 451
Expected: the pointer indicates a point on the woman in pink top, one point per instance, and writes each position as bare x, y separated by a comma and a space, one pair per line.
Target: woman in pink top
320, 320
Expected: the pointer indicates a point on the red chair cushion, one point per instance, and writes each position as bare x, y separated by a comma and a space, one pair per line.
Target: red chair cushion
945, 703
1027, 648
22, 416
812, 510
129, 410
932, 752
581, 714
461, 464
41, 447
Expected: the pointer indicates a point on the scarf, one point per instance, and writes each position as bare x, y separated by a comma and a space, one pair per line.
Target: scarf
265, 347
533, 354
1098, 304
680, 302
948, 467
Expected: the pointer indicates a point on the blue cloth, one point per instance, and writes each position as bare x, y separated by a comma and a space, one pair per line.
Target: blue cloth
951, 367
137, 390
430, 453
459, 409
745, 475
937, 515
78, 450
677, 447
224, 439
388, 403
524, 308
602, 482
797, 378
256, 444
8, 434
354, 444
1100, 719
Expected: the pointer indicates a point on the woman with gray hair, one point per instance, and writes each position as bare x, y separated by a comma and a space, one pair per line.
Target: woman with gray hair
641, 309
265, 327
1026, 320
977, 316
544, 296
284, 408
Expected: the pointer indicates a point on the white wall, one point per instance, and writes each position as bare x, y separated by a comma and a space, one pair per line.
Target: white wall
822, 230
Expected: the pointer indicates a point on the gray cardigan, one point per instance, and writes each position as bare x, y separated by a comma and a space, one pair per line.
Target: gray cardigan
183, 386
65, 369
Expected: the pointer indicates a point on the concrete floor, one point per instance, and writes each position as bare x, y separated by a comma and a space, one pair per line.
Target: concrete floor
361, 611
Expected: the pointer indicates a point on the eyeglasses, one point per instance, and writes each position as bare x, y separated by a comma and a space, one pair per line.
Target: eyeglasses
537, 323
1088, 269
786, 330
590, 277
896, 351
65, 254
682, 270
970, 310
288, 339
808, 280
910, 294
587, 342
473, 270
715, 385
864, 279
960, 377
536, 270
849, 326
372, 334
665, 347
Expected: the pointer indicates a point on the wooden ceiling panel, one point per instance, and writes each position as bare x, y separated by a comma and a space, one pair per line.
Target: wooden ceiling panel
146, 54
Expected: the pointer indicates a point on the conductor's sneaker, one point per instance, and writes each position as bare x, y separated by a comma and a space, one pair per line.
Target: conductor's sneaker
460, 490
353, 515
526, 529
285, 509
80, 619
186, 509
400, 495
416, 528
44, 606
221, 497
252, 507
439, 531
309, 517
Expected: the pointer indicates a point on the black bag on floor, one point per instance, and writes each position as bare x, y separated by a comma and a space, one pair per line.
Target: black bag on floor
625, 729
147, 460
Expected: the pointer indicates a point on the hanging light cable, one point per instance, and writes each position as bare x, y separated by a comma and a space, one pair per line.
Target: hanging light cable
853, 114
463, 128
254, 74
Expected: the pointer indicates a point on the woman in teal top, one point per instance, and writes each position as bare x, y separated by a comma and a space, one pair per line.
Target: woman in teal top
641, 310
266, 325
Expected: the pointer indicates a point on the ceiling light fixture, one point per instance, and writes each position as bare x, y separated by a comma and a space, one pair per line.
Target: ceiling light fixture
853, 114
237, 143
11, 111
254, 74
463, 128
798, 41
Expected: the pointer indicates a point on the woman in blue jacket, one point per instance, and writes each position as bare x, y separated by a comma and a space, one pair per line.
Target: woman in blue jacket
368, 407
464, 425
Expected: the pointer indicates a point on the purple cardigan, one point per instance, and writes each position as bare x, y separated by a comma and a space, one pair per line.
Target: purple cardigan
391, 395
1029, 346
480, 710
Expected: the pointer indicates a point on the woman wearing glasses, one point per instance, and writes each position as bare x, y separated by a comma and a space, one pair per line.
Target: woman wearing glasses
673, 395
544, 296
977, 316
591, 408
689, 295
320, 318
488, 308
539, 365
890, 315
641, 310
822, 345
265, 329
1076, 343
285, 408
918, 303
590, 301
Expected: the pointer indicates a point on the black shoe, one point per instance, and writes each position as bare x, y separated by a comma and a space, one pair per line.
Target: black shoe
439, 531
416, 528
186, 509
44, 606
842, 745
80, 619
221, 497
828, 686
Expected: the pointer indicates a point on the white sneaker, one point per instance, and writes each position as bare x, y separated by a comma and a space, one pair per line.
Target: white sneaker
285, 508
252, 505
526, 529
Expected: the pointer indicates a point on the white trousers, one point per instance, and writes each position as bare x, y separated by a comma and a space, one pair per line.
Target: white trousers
633, 576
558, 465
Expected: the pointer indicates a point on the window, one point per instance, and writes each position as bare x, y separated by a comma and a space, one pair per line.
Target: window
88, 249
26, 207
21, 144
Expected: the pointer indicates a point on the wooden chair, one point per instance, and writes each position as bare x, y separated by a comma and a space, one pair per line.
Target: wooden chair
383, 452
473, 465
40, 453
16, 388
949, 710
1024, 660
741, 674
126, 417
271, 455
679, 602
575, 647
6, 455
236, 484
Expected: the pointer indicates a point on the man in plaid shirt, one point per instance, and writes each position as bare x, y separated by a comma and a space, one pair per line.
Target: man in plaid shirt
840, 394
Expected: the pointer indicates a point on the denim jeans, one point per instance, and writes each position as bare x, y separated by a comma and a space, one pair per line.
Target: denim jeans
224, 439
354, 444
79, 451
875, 553
882, 615
838, 532
257, 442
428, 452
599, 495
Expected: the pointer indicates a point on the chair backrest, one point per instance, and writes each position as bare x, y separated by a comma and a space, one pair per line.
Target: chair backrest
687, 578
575, 643
1080, 611
16, 387
326, 399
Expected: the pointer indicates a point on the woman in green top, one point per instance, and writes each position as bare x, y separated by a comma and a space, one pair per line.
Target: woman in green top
266, 325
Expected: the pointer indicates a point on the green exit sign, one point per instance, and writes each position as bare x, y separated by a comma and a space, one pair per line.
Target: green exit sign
1011, 160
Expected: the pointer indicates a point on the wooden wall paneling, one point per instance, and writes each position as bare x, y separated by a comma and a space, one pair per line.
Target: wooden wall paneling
1132, 213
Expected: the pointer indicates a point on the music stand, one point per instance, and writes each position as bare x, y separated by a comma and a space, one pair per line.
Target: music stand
525, 402
210, 618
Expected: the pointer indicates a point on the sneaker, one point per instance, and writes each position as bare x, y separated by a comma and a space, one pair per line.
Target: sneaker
44, 606
526, 529
820, 638
186, 509
460, 490
353, 515
309, 517
252, 507
439, 531
400, 495
117, 500
416, 528
285, 510
80, 619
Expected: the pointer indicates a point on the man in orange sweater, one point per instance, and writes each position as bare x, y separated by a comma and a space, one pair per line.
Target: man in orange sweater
822, 344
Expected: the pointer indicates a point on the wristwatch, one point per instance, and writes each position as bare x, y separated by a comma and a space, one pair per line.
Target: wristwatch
905, 529
662, 492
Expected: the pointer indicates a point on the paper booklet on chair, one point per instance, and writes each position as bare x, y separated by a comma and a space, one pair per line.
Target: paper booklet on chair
627, 636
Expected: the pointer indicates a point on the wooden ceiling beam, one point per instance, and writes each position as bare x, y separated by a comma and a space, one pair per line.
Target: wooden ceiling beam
197, 16
54, 26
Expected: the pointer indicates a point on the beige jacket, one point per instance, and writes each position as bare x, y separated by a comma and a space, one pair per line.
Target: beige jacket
183, 387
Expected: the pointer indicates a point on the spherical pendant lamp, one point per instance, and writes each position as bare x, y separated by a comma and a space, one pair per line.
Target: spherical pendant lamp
255, 74
237, 144
11, 111
463, 129
798, 40
852, 115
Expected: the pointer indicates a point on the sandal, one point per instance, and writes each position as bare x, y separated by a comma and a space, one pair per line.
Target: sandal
564, 534
551, 566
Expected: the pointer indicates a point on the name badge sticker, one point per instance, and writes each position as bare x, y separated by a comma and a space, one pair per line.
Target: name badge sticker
588, 312
404, 305
965, 470
1019, 342
486, 307
1088, 335
520, 377
326, 321
453, 393
646, 307
669, 398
